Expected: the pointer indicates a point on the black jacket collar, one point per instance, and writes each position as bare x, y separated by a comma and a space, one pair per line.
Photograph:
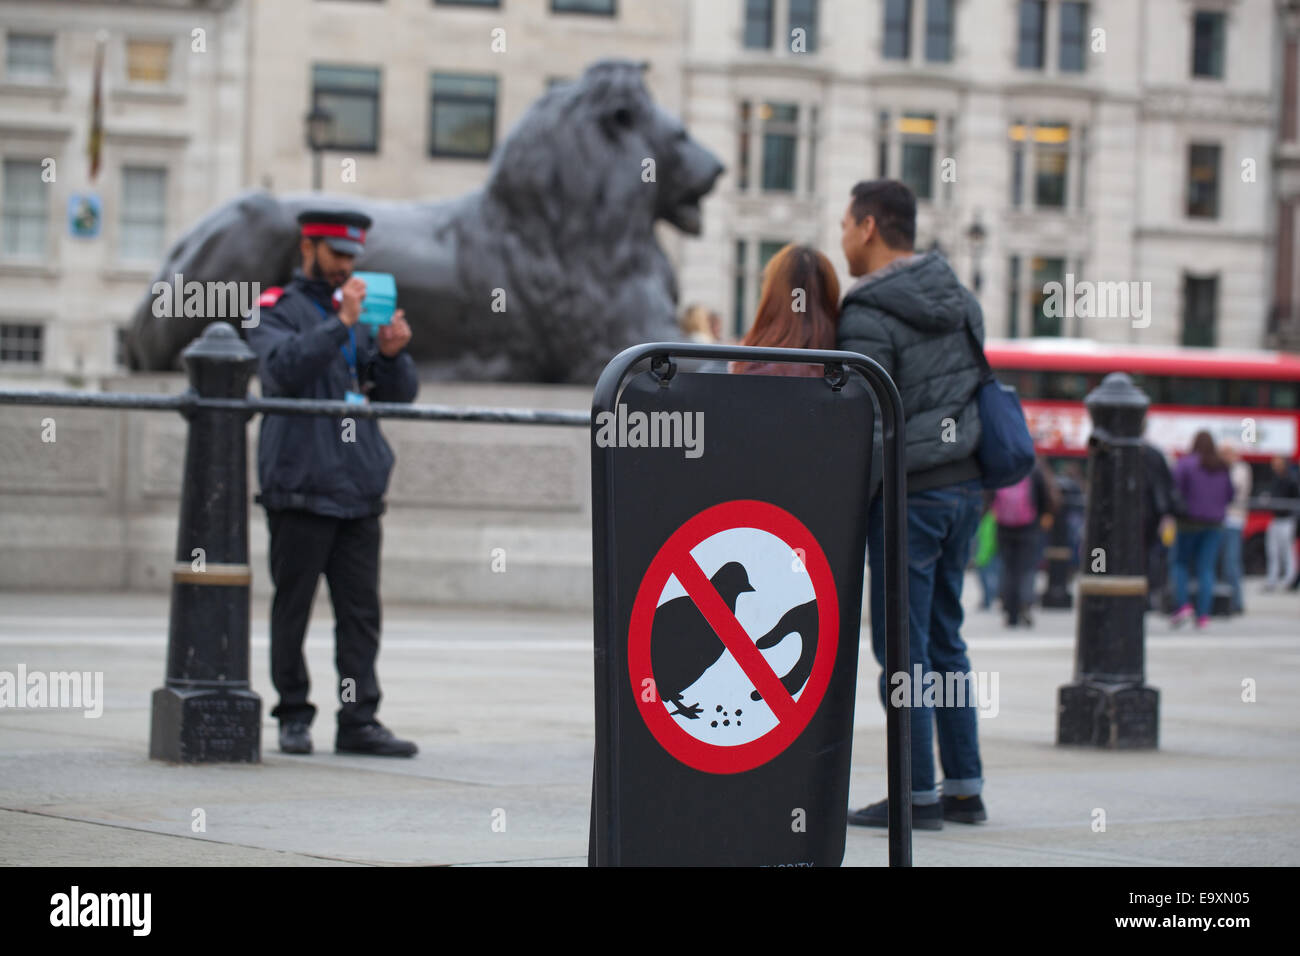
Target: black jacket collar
318, 290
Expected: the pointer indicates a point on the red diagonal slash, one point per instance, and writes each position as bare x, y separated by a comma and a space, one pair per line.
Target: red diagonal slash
725, 625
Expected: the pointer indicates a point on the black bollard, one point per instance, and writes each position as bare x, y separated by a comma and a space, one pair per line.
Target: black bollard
1109, 705
207, 712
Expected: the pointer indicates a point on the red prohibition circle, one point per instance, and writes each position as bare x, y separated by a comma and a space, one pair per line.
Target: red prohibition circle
763, 516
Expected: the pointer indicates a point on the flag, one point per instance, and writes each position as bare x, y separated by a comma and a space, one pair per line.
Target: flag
97, 108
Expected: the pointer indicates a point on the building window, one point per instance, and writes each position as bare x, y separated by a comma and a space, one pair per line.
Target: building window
121, 347
812, 150
744, 128
1074, 38
1032, 25
1045, 270
749, 280
26, 208
770, 147
898, 29
29, 58
1207, 44
1203, 181
780, 136
1051, 159
938, 31
882, 147
463, 115
1013, 297
144, 212
803, 16
604, 7
468, 3
738, 292
758, 24
21, 342
351, 95
918, 133
148, 61
1044, 148
1199, 297
911, 146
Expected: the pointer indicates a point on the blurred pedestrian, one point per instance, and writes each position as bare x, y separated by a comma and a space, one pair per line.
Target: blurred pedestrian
322, 482
1021, 510
1205, 487
1280, 537
1162, 506
1074, 507
987, 561
798, 308
910, 313
1234, 521
697, 329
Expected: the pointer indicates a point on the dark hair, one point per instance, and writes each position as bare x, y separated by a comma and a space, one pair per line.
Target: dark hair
1203, 448
892, 205
777, 324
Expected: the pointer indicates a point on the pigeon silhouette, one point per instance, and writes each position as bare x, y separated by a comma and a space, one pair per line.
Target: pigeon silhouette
683, 645
801, 620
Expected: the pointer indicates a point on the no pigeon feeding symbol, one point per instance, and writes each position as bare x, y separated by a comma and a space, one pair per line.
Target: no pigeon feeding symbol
733, 636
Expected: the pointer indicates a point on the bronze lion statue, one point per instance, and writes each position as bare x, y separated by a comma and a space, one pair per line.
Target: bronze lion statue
541, 275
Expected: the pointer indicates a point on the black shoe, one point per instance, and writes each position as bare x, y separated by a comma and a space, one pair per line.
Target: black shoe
964, 809
373, 739
295, 738
927, 817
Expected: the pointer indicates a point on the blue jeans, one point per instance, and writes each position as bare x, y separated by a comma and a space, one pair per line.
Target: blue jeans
990, 581
1198, 548
1232, 565
940, 525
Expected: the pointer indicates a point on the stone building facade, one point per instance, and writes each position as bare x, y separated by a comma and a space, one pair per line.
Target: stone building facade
1109, 141
1112, 141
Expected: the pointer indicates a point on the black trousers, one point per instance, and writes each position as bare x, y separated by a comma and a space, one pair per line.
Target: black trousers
346, 550
1019, 550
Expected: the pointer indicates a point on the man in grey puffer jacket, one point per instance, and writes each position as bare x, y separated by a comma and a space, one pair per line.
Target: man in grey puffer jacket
910, 313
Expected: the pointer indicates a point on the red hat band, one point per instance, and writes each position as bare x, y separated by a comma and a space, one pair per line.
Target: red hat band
334, 231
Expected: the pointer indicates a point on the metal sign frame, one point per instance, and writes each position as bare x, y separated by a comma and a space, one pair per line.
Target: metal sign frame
606, 812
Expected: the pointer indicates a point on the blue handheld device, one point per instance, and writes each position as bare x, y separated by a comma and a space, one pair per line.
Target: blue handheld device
381, 297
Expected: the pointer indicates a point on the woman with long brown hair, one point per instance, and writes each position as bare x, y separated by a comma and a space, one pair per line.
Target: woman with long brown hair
798, 308
1206, 489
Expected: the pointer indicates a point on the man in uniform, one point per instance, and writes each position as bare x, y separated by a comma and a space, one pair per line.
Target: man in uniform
323, 478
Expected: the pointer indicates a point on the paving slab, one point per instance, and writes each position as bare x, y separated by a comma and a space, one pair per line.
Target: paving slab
501, 705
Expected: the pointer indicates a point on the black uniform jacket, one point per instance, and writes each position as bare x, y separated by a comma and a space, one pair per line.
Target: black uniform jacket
317, 463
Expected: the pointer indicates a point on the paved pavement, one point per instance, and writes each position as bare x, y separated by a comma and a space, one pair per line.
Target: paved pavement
501, 705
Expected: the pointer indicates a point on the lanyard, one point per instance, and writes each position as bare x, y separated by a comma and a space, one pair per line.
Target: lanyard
349, 351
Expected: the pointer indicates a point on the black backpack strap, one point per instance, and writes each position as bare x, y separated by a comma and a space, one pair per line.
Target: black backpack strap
980, 357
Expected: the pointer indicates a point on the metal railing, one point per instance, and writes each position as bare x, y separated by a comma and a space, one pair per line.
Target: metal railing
190, 401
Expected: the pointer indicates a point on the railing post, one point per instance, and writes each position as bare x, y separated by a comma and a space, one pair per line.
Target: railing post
1109, 703
207, 712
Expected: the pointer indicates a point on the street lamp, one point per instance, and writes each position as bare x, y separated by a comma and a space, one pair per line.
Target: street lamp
319, 122
976, 235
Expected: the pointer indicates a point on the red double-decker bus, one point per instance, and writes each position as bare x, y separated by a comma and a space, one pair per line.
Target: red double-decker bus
1251, 398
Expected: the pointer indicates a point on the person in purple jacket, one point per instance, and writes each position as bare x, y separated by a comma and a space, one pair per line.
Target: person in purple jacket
1203, 482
